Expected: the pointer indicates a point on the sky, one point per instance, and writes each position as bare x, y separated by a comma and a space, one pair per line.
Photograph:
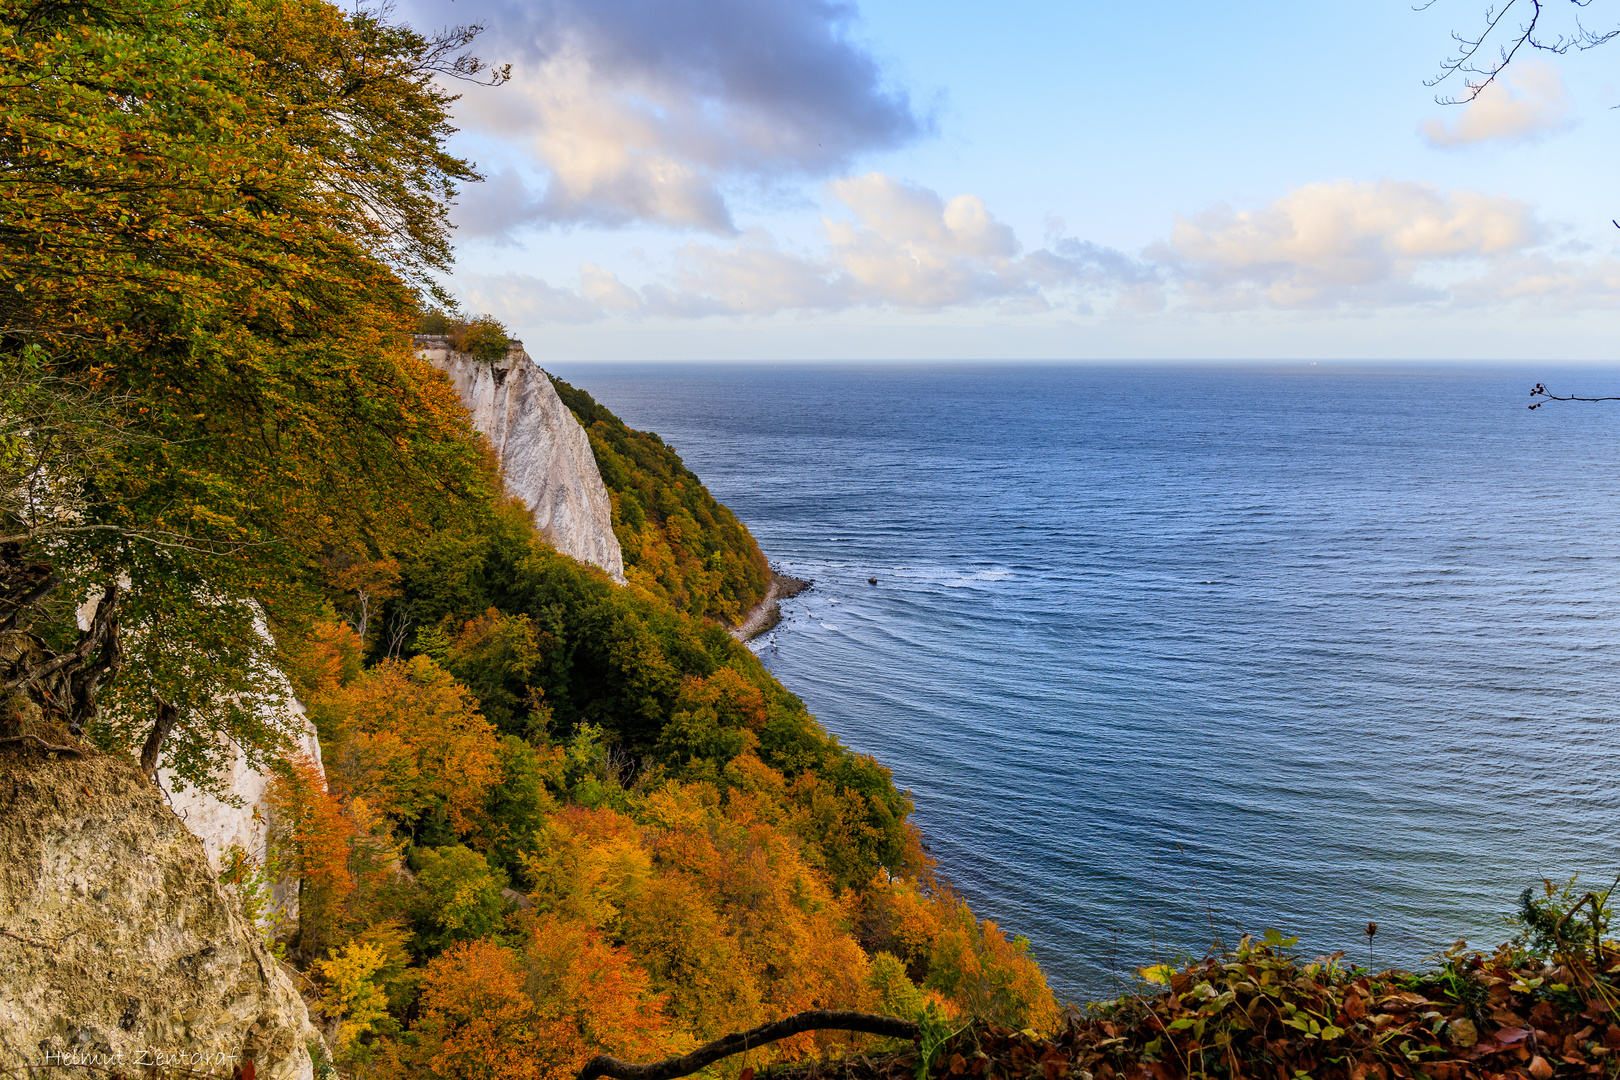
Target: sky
893, 179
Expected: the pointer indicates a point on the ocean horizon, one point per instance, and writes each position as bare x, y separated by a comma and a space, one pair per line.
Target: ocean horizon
1165, 654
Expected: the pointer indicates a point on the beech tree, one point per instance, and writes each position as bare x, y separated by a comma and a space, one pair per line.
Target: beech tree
217, 223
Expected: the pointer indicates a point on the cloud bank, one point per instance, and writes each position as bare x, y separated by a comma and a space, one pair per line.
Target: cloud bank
646, 111
1341, 246
901, 246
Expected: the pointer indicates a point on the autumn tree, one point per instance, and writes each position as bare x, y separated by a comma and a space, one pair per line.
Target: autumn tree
409, 739
218, 220
315, 832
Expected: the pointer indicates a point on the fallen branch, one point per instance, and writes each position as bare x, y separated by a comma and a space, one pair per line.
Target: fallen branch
814, 1020
47, 745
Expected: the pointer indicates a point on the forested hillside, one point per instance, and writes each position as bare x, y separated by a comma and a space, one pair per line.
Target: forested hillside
678, 542
696, 855
557, 815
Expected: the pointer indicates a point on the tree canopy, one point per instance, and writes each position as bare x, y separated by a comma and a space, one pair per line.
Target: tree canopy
216, 224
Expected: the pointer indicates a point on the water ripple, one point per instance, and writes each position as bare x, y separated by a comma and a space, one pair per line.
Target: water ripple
1163, 655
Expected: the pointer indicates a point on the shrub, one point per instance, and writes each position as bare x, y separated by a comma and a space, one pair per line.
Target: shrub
482, 338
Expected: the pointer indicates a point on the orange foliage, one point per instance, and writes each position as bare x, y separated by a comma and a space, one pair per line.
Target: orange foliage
971, 964
735, 701
326, 659
715, 902
316, 832
490, 1013
697, 908
478, 1023
406, 737
577, 978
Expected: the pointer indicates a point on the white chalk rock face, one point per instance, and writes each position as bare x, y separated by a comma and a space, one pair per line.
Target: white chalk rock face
122, 951
545, 455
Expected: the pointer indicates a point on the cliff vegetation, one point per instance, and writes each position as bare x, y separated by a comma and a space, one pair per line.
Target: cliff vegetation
1544, 1004
569, 819
679, 543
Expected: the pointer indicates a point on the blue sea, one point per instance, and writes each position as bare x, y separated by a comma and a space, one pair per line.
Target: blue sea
1168, 654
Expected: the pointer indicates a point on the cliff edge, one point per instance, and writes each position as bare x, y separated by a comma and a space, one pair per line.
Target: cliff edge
544, 453
120, 949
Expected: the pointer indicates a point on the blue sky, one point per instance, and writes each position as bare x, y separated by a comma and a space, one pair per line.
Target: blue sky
809, 179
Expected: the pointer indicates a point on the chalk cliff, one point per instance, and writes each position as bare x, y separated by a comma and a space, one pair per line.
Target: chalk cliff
545, 455
119, 948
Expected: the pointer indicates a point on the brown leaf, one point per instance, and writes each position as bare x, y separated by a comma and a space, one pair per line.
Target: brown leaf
1355, 1006
1540, 1069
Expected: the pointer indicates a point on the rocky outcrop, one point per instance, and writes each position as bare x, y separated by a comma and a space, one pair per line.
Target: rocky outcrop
545, 455
119, 948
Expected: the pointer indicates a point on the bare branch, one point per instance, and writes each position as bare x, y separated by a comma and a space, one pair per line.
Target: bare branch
1478, 73
1541, 391
814, 1020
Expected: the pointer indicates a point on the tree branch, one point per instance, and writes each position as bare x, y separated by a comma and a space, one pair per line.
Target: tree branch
1541, 391
814, 1020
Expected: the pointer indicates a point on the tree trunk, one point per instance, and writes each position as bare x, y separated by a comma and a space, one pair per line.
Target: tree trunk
166, 716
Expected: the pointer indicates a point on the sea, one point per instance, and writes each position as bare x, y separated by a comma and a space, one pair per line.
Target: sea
1165, 655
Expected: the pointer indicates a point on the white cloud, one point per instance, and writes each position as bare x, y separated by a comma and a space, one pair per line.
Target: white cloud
902, 246
1340, 244
910, 248
526, 299
1540, 280
1527, 102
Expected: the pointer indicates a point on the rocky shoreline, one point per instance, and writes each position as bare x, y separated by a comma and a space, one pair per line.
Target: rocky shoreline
767, 613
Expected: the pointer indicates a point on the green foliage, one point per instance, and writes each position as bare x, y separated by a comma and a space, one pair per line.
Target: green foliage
935, 1034
213, 219
517, 807
619, 667
495, 656
252, 883
483, 338
460, 896
678, 542
897, 995
1555, 924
